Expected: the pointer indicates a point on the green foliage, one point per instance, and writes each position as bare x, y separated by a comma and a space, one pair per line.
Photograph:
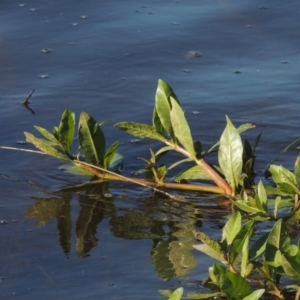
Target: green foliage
273, 256
91, 139
244, 259
231, 154
177, 294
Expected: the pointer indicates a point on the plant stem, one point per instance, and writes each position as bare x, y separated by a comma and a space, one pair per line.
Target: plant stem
215, 177
109, 175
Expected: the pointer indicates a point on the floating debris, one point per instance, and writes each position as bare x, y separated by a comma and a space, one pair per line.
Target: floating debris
32, 9
135, 141
74, 24
175, 23
150, 13
284, 62
3, 222
44, 76
107, 195
237, 72
46, 50
193, 53
21, 4
186, 70
21, 142
195, 112
263, 7
250, 26
83, 17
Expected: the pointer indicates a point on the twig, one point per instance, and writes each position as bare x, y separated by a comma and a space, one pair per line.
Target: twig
22, 149
124, 178
26, 102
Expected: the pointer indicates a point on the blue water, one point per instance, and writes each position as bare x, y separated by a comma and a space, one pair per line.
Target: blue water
108, 65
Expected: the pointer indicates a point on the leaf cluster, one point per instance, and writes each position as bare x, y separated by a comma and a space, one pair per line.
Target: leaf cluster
263, 261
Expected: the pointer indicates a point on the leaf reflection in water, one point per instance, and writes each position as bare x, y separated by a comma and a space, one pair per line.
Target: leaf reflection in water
46, 209
167, 222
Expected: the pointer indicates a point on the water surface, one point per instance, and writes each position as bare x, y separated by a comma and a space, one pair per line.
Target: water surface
105, 59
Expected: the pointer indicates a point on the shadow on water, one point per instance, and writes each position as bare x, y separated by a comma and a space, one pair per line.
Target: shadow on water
168, 223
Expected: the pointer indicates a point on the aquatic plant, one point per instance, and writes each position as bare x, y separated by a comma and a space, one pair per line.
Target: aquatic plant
249, 268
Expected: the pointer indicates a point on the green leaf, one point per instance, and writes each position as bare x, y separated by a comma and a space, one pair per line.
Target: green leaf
232, 227
116, 164
195, 172
109, 154
181, 128
276, 205
140, 130
291, 266
259, 247
255, 295
234, 286
242, 128
297, 171
177, 294
162, 110
245, 269
215, 272
48, 135
278, 241
46, 147
231, 154
162, 151
210, 247
239, 240
199, 295
285, 180
179, 162
66, 130
91, 139
246, 207
261, 197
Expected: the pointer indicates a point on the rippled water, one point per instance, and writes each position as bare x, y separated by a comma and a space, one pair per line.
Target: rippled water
105, 59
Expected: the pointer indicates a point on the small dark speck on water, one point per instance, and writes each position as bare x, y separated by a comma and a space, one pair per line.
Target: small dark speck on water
237, 72
263, 7
284, 62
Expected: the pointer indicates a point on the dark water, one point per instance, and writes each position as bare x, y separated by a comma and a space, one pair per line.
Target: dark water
105, 59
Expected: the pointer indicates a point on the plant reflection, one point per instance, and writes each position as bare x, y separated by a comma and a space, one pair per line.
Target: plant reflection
167, 222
